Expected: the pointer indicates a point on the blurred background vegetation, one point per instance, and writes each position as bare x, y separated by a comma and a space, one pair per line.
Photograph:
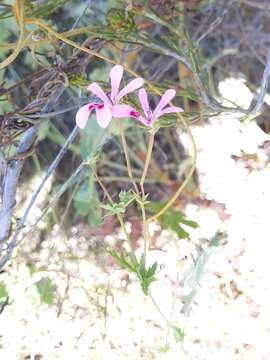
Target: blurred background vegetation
190, 46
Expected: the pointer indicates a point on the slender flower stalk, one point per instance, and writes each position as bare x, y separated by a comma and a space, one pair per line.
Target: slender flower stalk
150, 117
147, 160
109, 106
125, 148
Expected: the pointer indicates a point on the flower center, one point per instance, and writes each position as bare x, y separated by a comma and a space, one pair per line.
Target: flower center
95, 106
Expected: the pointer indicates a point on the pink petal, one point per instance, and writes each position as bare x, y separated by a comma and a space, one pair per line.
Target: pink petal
144, 102
131, 86
96, 89
169, 110
104, 115
83, 115
146, 121
165, 99
116, 76
122, 111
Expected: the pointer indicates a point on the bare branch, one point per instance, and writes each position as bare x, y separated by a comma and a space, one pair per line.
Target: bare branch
263, 88
263, 5
21, 223
10, 181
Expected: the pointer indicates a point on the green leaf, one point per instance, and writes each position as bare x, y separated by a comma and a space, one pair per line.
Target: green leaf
194, 275
122, 261
141, 266
95, 217
188, 301
114, 209
152, 270
120, 22
119, 208
172, 220
46, 290
163, 349
146, 276
81, 207
43, 8
178, 334
126, 197
93, 138
86, 202
3, 290
43, 130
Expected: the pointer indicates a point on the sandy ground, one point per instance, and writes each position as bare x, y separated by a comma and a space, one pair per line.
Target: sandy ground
99, 312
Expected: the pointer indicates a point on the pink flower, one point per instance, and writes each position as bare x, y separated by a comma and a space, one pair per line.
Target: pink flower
161, 109
109, 106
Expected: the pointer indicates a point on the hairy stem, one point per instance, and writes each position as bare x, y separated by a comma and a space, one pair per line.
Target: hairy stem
125, 148
146, 240
147, 160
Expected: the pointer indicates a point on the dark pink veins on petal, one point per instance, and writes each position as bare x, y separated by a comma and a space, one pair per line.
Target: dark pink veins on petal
134, 114
91, 107
94, 106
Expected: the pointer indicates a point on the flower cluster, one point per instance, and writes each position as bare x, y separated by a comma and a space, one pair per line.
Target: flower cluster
109, 106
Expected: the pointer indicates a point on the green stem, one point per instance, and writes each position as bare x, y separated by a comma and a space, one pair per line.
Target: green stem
125, 179
119, 166
146, 240
36, 164
125, 148
168, 323
147, 160
185, 182
119, 216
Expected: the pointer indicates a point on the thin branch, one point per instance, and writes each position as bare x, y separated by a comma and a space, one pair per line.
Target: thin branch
21, 223
211, 28
147, 160
88, 4
67, 184
256, 4
47, 115
61, 191
10, 181
125, 148
263, 87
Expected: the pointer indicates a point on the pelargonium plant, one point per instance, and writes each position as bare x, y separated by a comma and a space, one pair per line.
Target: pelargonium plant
109, 106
